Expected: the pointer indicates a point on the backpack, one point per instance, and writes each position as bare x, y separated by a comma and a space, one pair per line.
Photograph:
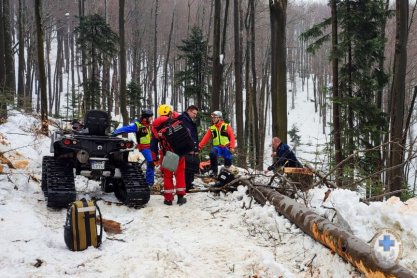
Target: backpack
80, 229
176, 137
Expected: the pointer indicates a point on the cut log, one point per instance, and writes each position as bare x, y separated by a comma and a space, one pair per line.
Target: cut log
20, 164
293, 170
346, 245
111, 226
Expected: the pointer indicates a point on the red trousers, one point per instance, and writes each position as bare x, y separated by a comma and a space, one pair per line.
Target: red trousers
169, 180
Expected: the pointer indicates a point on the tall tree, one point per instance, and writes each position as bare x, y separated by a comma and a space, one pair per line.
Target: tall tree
97, 39
21, 71
216, 77
165, 91
3, 94
278, 17
155, 57
41, 66
396, 175
256, 143
122, 61
10, 87
239, 83
193, 77
335, 89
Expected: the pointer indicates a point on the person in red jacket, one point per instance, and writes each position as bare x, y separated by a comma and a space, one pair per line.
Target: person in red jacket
223, 141
165, 113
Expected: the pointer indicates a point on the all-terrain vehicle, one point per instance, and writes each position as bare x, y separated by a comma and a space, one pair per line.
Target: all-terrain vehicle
91, 152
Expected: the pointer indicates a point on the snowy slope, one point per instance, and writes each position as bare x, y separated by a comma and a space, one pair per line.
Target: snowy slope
210, 236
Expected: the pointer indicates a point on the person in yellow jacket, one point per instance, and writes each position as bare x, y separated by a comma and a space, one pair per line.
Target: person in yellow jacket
142, 128
223, 141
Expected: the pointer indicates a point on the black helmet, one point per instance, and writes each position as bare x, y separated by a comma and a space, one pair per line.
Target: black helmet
146, 113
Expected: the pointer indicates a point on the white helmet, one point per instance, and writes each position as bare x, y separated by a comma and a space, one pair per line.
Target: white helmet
217, 114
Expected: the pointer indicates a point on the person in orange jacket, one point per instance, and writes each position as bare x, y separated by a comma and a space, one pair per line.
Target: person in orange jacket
165, 113
223, 141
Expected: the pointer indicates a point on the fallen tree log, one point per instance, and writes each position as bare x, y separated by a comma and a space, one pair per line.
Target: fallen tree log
379, 197
346, 245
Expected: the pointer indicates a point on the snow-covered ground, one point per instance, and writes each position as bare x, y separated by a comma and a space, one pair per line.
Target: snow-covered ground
210, 236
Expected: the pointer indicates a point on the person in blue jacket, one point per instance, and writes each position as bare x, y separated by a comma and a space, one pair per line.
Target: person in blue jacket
284, 156
142, 128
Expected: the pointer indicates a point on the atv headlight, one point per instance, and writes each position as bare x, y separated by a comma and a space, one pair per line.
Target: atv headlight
83, 156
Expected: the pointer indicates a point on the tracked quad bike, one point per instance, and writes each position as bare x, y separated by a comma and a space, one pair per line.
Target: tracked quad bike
92, 153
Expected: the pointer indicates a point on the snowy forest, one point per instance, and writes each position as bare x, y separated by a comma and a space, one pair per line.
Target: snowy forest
274, 68
234, 56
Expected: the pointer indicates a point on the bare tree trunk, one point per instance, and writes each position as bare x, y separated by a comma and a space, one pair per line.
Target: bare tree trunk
223, 52
58, 68
122, 58
106, 87
48, 61
86, 102
9, 62
239, 82
3, 91
396, 175
263, 105
155, 52
247, 129
115, 88
41, 65
21, 71
336, 107
72, 54
216, 77
29, 74
278, 68
257, 142
164, 94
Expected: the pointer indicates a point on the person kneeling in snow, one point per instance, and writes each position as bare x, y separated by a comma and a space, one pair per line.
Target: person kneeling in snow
223, 141
283, 156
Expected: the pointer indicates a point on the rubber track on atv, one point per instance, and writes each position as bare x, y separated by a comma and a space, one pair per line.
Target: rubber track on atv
60, 184
133, 191
45, 161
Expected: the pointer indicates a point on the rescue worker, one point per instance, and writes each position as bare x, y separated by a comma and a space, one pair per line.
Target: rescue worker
165, 113
142, 128
192, 162
223, 141
283, 156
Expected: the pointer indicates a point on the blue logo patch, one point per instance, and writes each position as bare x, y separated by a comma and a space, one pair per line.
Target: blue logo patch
387, 248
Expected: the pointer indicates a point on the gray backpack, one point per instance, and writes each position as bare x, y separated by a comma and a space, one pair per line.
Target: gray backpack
170, 161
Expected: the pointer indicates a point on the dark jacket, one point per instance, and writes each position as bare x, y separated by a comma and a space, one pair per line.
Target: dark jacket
285, 157
191, 126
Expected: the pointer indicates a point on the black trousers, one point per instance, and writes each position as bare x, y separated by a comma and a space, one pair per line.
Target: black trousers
192, 166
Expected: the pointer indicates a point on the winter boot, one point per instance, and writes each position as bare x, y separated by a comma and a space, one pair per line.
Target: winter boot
181, 200
168, 203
